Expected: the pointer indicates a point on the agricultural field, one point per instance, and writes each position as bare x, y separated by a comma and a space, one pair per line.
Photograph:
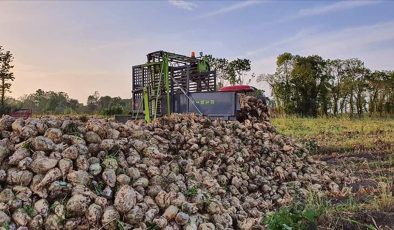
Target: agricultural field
365, 148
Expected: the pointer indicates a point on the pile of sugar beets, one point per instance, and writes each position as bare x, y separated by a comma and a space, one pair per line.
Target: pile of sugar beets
179, 172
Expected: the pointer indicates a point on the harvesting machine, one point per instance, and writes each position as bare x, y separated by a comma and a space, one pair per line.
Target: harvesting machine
172, 83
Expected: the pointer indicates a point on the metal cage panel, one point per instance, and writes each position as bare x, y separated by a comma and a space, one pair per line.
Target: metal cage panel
183, 76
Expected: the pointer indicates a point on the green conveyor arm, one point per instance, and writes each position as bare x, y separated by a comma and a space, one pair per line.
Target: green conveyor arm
146, 105
166, 82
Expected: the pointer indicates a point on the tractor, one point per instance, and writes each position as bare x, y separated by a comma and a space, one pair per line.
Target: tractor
173, 83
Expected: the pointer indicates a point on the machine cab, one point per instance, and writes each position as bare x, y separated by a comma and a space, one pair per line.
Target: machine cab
244, 89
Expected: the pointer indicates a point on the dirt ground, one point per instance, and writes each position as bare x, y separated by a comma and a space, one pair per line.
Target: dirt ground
365, 147
370, 204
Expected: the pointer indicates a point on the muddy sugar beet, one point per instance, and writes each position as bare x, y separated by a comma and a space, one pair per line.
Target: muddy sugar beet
179, 172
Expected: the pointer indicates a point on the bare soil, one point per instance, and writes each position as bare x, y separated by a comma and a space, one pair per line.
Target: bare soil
371, 167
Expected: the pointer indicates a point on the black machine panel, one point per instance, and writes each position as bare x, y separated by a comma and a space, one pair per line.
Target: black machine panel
214, 104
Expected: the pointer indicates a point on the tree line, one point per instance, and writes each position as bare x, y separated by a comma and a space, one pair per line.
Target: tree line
50, 102
311, 86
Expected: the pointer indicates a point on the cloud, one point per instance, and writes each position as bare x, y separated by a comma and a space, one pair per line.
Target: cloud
183, 4
373, 44
321, 10
296, 37
350, 41
335, 7
234, 7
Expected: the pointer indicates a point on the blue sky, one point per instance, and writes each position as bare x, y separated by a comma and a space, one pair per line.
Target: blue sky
83, 46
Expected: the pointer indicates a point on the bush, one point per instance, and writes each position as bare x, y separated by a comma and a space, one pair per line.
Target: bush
5, 110
289, 218
112, 111
301, 215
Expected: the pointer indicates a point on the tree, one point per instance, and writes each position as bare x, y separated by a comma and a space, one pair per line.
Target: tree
336, 70
236, 70
93, 101
355, 84
233, 71
107, 105
300, 84
6, 76
218, 64
380, 87
285, 65
308, 81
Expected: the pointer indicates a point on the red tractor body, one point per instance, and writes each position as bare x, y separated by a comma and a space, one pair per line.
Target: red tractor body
239, 89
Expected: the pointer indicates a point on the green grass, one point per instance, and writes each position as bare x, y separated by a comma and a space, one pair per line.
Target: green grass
120, 225
72, 129
301, 214
338, 133
359, 224
305, 213
191, 192
28, 146
152, 226
6, 226
345, 137
29, 210
99, 188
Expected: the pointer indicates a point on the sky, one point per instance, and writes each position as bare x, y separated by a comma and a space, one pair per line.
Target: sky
80, 47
